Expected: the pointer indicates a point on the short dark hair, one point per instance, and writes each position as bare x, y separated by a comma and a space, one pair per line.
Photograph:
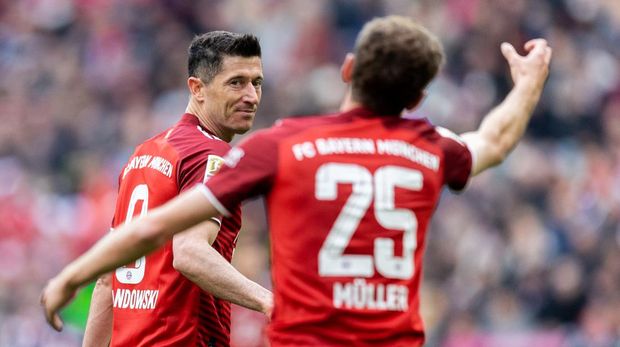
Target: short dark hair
395, 59
207, 51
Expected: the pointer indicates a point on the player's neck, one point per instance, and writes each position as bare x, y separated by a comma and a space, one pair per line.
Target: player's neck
349, 103
206, 122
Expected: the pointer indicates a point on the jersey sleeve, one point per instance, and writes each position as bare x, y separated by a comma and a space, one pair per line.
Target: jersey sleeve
200, 165
248, 171
457, 159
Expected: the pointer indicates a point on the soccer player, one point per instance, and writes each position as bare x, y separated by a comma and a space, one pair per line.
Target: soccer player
349, 195
153, 301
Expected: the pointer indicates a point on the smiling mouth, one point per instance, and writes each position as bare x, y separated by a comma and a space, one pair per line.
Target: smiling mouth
247, 112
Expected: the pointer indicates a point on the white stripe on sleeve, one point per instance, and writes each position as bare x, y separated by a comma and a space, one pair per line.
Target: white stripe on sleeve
213, 200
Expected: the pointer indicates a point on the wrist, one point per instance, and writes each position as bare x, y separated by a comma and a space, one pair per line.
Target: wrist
525, 82
529, 83
67, 278
529, 88
267, 304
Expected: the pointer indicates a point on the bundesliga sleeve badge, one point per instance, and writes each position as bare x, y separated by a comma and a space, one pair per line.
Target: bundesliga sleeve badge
214, 163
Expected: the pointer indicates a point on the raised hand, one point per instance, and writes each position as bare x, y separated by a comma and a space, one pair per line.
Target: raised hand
532, 67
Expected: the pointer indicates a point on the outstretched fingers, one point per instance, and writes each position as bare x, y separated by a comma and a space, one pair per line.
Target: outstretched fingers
509, 52
539, 47
539, 51
535, 43
532, 66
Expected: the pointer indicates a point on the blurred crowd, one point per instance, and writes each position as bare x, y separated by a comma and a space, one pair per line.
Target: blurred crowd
529, 255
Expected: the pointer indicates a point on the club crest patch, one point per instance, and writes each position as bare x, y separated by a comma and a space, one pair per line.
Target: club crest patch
214, 163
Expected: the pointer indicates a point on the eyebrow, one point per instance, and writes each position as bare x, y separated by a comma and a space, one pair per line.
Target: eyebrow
261, 77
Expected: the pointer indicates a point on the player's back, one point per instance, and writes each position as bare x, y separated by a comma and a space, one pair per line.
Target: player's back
360, 191
153, 304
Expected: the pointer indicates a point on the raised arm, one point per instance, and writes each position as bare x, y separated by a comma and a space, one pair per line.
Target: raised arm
127, 243
504, 126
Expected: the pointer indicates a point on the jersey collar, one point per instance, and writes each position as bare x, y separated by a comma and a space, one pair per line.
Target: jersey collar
364, 112
191, 119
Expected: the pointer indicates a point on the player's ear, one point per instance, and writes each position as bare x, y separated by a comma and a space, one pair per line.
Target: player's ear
196, 88
346, 70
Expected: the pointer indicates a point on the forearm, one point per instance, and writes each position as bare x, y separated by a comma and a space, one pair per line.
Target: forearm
115, 249
99, 324
127, 243
506, 123
199, 262
138, 238
503, 127
213, 274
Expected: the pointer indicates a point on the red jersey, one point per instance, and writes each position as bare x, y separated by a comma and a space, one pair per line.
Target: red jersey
153, 304
349, 199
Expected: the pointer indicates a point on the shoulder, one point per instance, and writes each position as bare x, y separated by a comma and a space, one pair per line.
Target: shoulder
263, 144
412, 128
448, 134
450, 142
433, 133
154, 146
189, 140
305, 121
295, 124
445, 142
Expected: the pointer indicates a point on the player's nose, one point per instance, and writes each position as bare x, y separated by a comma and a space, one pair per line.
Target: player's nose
250, 94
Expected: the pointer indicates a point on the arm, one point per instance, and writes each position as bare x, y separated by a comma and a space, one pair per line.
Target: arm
504, 126
199, 262
99, 325
128, 243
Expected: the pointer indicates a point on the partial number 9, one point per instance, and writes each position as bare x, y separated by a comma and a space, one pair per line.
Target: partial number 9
133, 274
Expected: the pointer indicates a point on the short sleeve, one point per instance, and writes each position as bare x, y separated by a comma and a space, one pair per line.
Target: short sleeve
200, 165
457, 159
248, 171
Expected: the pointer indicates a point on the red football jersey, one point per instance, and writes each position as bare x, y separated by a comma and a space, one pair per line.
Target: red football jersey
153, 304
349, 199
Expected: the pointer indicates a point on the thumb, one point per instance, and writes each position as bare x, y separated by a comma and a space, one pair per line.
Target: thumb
509, 52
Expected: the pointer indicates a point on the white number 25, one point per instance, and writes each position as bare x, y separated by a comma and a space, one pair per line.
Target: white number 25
365, 188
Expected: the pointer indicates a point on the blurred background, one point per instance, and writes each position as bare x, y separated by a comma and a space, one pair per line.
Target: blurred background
529, 255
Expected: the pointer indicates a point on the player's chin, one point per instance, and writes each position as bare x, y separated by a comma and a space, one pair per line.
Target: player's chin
244, 126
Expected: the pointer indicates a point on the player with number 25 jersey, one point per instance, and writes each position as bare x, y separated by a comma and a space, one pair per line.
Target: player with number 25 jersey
349, 198
153, 304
